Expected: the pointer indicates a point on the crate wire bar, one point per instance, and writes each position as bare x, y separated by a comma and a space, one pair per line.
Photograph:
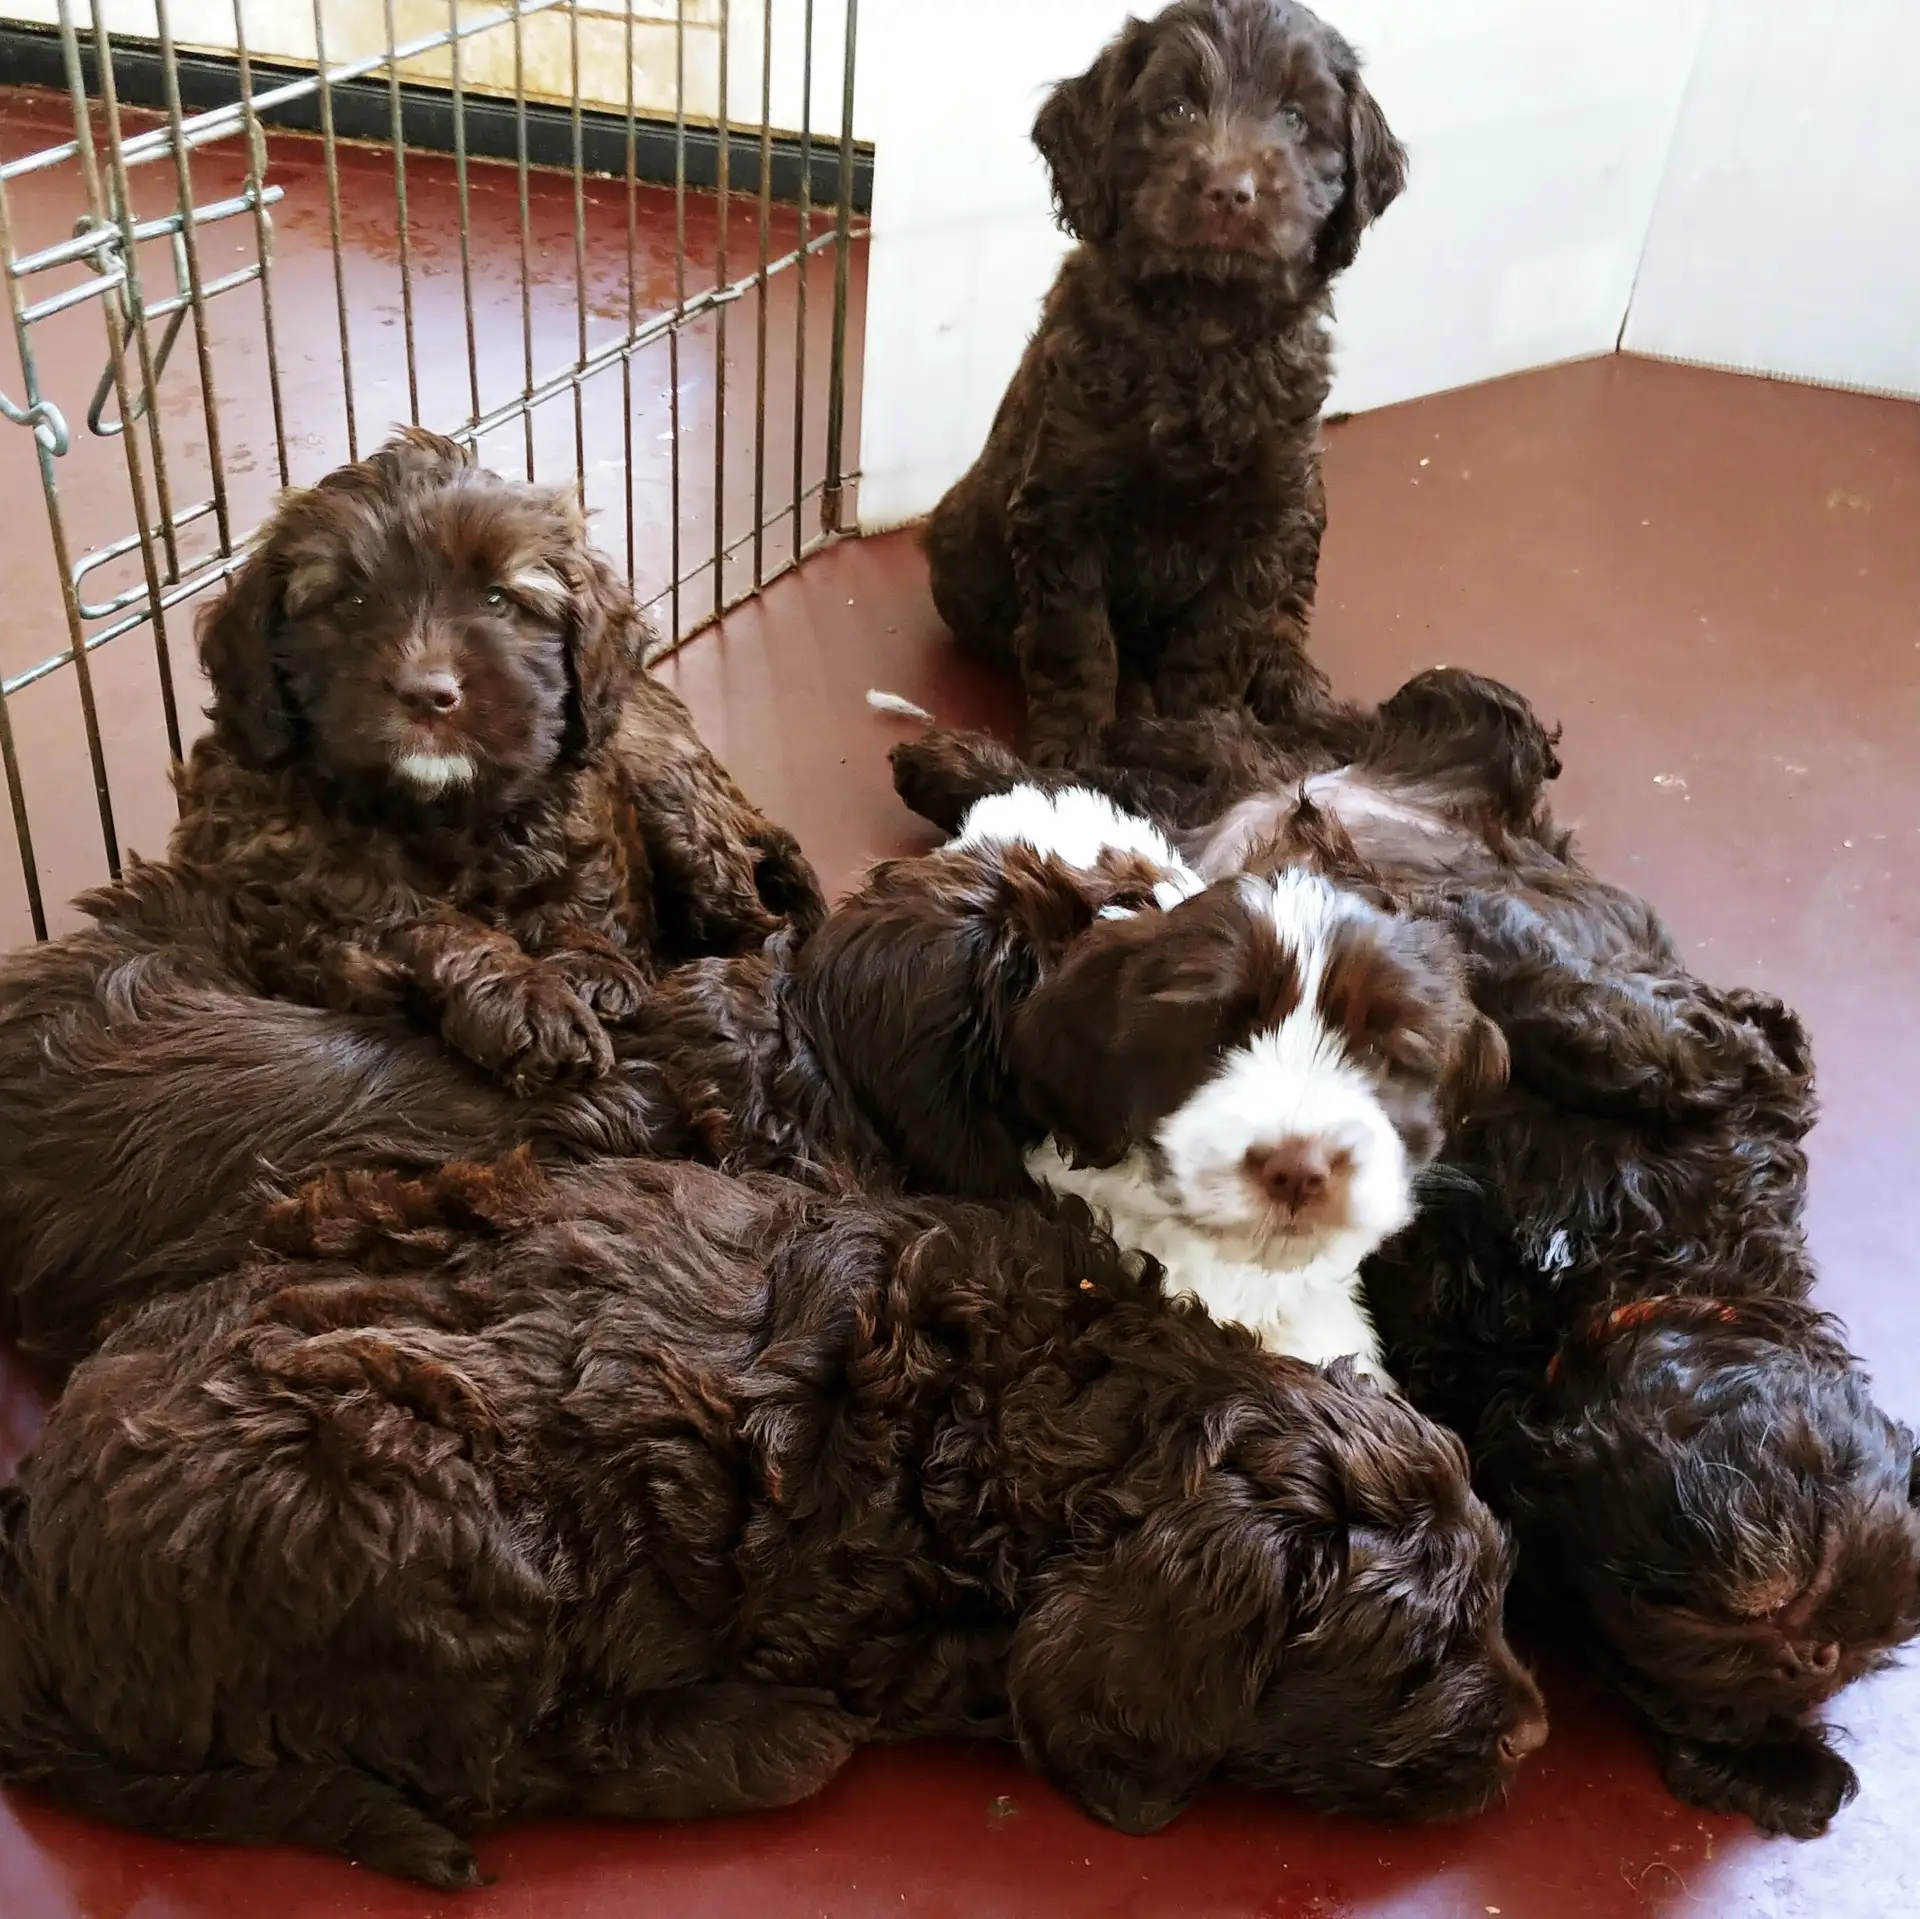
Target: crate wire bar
182, 549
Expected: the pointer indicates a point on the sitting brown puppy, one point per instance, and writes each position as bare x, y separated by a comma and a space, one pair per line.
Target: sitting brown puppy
1607, 1289
439, 778
647, 1492
1143, 528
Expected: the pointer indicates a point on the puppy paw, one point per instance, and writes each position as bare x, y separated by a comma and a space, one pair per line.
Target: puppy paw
529, 1028
942, 773
1791, 1785
607, 981
438, 1859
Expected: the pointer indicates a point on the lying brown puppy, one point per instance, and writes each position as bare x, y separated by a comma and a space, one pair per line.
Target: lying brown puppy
1607, 1289
439, 779
646, 1492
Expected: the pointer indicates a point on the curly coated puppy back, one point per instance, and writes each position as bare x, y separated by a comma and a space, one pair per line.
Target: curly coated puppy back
664, 1490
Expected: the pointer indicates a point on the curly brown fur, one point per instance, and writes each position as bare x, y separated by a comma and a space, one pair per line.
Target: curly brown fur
1142, 530
148, 1095
648, 1493
1715, 1503
438, 778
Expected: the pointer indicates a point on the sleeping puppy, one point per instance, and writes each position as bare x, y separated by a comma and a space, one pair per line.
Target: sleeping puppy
1607, 1288
1246, 1082
439, 779
148, 1100
645, 1492
1142, 530
151, 1097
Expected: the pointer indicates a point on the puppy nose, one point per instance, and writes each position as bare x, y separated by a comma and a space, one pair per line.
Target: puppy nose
1293, 1174
1523, 1738
1232, 189
428, 692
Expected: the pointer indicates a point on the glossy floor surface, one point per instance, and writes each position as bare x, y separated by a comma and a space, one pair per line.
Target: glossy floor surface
1715, 584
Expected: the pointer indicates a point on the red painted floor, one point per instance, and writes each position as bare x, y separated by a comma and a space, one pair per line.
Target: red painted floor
1715, 583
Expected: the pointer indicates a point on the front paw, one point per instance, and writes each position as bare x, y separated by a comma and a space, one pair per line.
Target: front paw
1060, 752
529, 1029
1792, 1785
607, 981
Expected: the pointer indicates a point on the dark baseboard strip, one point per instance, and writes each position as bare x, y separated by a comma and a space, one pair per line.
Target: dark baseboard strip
32, 56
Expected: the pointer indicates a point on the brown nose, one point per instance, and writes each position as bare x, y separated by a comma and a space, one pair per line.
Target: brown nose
1232, 190
428, 693
1523, 1738
1293, 1174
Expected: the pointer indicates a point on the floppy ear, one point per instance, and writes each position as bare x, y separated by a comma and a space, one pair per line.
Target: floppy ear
1778, 1024
607, 639
1376, 171
1074, 132
1134, 1673
1478, 1065
251, 713
916, 980
1129, 993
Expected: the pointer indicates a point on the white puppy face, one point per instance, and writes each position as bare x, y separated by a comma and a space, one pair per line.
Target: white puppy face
1289, 1143
1277, 1056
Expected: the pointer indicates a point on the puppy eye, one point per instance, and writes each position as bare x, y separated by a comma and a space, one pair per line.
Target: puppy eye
496, 598
352, 603
1295, 119
1176, 113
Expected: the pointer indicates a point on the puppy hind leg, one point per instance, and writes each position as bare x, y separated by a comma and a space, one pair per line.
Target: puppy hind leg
942, 773
337, 1809
705, 1749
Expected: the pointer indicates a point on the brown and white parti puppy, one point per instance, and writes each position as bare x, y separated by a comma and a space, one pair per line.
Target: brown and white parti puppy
1142, 530
1607, 1288
649, 1493
439, 778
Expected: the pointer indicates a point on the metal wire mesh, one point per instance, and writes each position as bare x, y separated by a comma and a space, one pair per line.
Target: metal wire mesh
533, 292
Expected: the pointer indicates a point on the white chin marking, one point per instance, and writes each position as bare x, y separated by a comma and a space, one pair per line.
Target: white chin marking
1302, 1300
1186, 1197
434, 772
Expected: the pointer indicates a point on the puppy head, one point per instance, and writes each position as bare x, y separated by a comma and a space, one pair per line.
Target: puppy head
1306, 1596
1284, 1053
1716, 1483
910, 987
416, 625
1223, 139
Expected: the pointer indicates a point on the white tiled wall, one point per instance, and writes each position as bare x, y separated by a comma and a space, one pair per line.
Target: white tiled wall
1786, 235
